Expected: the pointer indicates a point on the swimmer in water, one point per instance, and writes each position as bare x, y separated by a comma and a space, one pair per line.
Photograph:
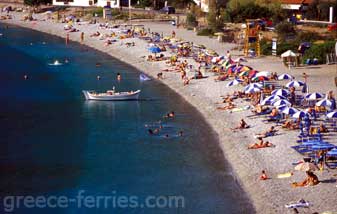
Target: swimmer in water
180, 133
98, 77
25, 77
98, 64
170, 115
66, 61
166, 135
119, 77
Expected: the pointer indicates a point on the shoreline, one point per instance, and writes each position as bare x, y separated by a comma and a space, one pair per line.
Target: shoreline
266, 197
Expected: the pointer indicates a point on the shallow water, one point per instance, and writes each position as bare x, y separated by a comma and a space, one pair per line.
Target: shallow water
54, 143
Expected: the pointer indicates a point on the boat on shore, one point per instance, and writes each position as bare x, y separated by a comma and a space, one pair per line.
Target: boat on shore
111, 95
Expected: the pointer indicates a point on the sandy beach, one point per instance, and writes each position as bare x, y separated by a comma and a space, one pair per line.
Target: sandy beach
268, 196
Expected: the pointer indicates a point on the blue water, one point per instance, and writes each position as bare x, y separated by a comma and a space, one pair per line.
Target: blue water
54, 143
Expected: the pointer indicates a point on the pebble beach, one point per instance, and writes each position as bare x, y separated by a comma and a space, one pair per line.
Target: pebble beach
269, 196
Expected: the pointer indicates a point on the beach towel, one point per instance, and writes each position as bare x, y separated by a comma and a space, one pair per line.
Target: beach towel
300, 204
285, 175
239, 109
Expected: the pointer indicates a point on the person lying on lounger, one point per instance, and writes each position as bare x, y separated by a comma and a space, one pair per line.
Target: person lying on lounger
268, 133
229, 106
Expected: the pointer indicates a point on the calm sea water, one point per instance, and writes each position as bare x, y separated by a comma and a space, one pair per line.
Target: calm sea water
54, 143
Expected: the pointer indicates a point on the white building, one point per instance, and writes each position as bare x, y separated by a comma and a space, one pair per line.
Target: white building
87, 3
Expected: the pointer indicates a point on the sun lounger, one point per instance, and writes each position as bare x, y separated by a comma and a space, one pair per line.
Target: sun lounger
300, 204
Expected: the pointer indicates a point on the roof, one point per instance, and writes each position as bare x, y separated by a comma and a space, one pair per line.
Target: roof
296, 1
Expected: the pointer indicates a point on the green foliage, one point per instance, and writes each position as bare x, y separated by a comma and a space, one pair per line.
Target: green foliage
307, 37
145, 3
205, 32
265, 47
319, 51
191, 20
285, 29
37, 2
248, 11
320, 10
98, 11
283, 47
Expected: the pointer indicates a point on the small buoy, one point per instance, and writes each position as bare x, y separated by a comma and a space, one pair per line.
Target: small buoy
25, 77
98, 77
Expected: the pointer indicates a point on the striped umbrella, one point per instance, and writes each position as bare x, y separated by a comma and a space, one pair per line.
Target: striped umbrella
234, 82
282, 92
294, 83
332, 152
282, 107
281, 102
313, 96
300, 114
268, 100
332, 114
253, 85
252, 90
285, 77
324, 102
260, 79
262, 74
289, 110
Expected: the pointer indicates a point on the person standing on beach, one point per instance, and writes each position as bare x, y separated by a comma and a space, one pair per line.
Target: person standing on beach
82, 37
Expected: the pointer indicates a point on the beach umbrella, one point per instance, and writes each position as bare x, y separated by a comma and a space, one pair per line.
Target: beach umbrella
253, 85
300, 114
281, 102
294, 83
306, 166
234, 82
262, 74
325, 146
285, 77
252, 90
154, 49
268, 100
260, 79
324, 102
289, 110
313, 96
281, 92
288, 53
332, 152
282, 107
332, 114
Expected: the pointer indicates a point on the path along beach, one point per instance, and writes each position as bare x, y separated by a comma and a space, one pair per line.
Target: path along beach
268, 196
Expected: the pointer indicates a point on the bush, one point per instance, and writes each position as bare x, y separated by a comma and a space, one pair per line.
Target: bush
319, 51
265, 47
249, 11
98, 11
191, 20
284, 30
205, 32
283, 47
307, 37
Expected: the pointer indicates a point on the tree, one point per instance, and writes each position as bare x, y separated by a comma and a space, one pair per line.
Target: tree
214, 19
36, 2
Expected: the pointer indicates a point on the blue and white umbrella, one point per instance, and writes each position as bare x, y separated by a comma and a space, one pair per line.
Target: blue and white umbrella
313, 96
285, 77
289, 110
282, 92
281, 102
322, 146
294, 83
253, 85
324, 102
234, 82
332, 114
154, 49
282, 107
252, 90
300, 114
332, 152
268, 100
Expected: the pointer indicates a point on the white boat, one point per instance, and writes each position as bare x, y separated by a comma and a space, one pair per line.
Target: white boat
111, 95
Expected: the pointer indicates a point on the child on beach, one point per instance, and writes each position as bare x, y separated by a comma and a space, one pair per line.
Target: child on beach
263, 175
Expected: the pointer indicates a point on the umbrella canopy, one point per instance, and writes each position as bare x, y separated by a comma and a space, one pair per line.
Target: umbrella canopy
324, 102
268, 100
263, 74
281, 92
332, 114
294, 83
242, 68
285, 77
154, 49
323, 146
306, 166
253, 85
248, 73
281, 102
332, 152
313, 96
289, 110
300, 114
288, 53
252, 90
260, 79
234, 82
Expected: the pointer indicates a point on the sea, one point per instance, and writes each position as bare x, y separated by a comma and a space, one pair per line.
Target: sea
62, 154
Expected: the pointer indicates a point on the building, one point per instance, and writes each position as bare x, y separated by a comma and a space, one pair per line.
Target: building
88, 3
297, 5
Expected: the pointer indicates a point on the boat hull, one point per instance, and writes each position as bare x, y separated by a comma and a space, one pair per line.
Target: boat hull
116, 97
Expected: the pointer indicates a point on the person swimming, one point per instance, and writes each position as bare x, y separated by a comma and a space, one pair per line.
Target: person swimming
170, 115
119, 77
